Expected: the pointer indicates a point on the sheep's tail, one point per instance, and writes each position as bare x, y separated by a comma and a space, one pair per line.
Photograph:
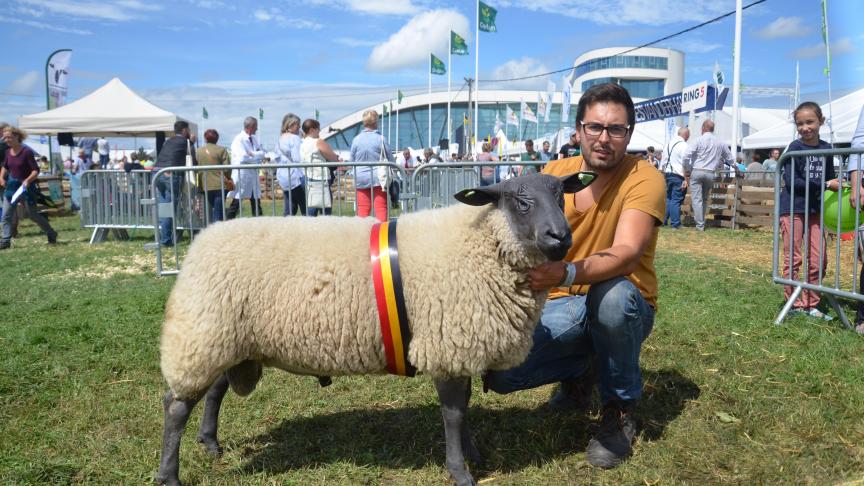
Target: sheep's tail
193, 356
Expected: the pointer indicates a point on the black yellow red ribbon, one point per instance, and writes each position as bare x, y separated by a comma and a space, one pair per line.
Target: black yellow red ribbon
392, 316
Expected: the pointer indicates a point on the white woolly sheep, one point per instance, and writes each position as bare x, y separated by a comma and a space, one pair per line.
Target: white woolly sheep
468, 302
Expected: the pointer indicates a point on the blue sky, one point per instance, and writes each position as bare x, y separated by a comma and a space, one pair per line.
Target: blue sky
341, 55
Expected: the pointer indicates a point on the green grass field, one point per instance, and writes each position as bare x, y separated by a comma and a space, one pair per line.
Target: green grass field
729, 398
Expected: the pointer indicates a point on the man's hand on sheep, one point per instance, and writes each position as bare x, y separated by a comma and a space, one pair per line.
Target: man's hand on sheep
547, 275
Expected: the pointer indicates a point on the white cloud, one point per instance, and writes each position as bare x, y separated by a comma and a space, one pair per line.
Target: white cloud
520, 68
410, 46
352, 42
784, 27
627, 12
840, 46
702, 47
372, 7
276, 16
25, 84
118, 10
44, 26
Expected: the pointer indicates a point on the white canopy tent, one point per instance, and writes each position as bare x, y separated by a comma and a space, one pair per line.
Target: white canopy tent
845, 111
112, 110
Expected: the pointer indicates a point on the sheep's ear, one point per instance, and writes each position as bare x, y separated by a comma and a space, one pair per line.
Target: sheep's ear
479, 196
578, 181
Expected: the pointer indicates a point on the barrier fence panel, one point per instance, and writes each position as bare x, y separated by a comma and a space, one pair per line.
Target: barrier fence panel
188, 199
433, 185
831, 281
111, 200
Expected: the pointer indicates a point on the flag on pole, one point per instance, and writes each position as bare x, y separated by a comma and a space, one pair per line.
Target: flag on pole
260, 113
527, 113
57, 74
511, 117
465, 120
487, 18
542, 103
565, 101
317, 114
399, 96
458, 45
437, 66
204, 113
497, 122
550, 95
390, 107
383, 109
827, 68
718, 74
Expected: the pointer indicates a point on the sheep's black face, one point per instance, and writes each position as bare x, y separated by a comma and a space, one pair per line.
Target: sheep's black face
534, 205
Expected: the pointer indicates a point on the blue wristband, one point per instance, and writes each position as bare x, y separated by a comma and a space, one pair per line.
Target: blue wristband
570, 276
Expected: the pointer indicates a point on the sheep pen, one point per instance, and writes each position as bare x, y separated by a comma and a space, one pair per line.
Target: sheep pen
467, 303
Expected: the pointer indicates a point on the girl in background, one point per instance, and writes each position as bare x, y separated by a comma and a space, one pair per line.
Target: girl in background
805, 178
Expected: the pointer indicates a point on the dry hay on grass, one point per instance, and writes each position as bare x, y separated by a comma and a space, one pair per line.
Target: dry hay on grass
116, 265
752, 253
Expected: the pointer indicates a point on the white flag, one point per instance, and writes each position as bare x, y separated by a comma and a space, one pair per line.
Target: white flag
542, 104
511, 117
718, 74
550, 95
58, 74
497, 123
565, 101
527, 114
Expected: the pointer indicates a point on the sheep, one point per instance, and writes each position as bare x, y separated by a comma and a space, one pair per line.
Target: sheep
467, 299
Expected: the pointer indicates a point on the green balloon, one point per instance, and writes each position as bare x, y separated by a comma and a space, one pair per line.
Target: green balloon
835, 202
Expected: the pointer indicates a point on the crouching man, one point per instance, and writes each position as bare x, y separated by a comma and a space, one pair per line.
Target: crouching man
604, 294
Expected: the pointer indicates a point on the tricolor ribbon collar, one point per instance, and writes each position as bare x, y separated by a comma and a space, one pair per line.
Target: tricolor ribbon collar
389, 298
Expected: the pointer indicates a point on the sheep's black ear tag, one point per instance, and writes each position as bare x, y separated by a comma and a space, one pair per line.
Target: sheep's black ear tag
578, 181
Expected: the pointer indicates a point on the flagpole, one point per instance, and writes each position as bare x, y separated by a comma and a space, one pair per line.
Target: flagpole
476, 72
429, 140
828, 71
736, 78
449, 69
398, 102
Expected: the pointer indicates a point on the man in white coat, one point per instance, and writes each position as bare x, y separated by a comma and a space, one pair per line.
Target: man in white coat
246, 149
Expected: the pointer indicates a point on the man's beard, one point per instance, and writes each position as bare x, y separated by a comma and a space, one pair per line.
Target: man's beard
602, 165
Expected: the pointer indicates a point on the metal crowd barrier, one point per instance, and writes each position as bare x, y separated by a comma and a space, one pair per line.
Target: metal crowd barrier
178, 193
433, 185
111, 200
844, 283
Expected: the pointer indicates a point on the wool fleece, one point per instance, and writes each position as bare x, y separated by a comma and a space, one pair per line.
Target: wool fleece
297, 294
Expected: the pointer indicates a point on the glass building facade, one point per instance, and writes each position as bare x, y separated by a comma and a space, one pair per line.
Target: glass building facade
413, 124
614, 62
638, 88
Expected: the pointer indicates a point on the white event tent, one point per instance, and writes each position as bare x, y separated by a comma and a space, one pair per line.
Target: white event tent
112, 110
845, 117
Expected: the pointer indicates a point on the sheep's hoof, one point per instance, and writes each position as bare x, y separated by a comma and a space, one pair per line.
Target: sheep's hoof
211, 445
162, 479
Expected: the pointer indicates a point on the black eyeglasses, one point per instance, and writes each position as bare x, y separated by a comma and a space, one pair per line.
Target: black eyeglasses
614, 131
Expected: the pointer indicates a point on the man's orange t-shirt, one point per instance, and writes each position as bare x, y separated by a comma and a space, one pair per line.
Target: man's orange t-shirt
637, 185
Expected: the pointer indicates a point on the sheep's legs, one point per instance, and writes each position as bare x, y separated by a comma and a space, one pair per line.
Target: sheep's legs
176, 415
210, 419
454, 394
468, 448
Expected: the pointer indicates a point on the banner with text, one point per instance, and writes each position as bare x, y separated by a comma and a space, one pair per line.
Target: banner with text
674, 105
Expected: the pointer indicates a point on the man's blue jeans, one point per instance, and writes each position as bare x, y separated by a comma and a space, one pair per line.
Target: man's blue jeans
168, 191
674, 199
608, 325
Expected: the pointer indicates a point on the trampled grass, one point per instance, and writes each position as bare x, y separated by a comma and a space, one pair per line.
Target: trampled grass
729, 398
